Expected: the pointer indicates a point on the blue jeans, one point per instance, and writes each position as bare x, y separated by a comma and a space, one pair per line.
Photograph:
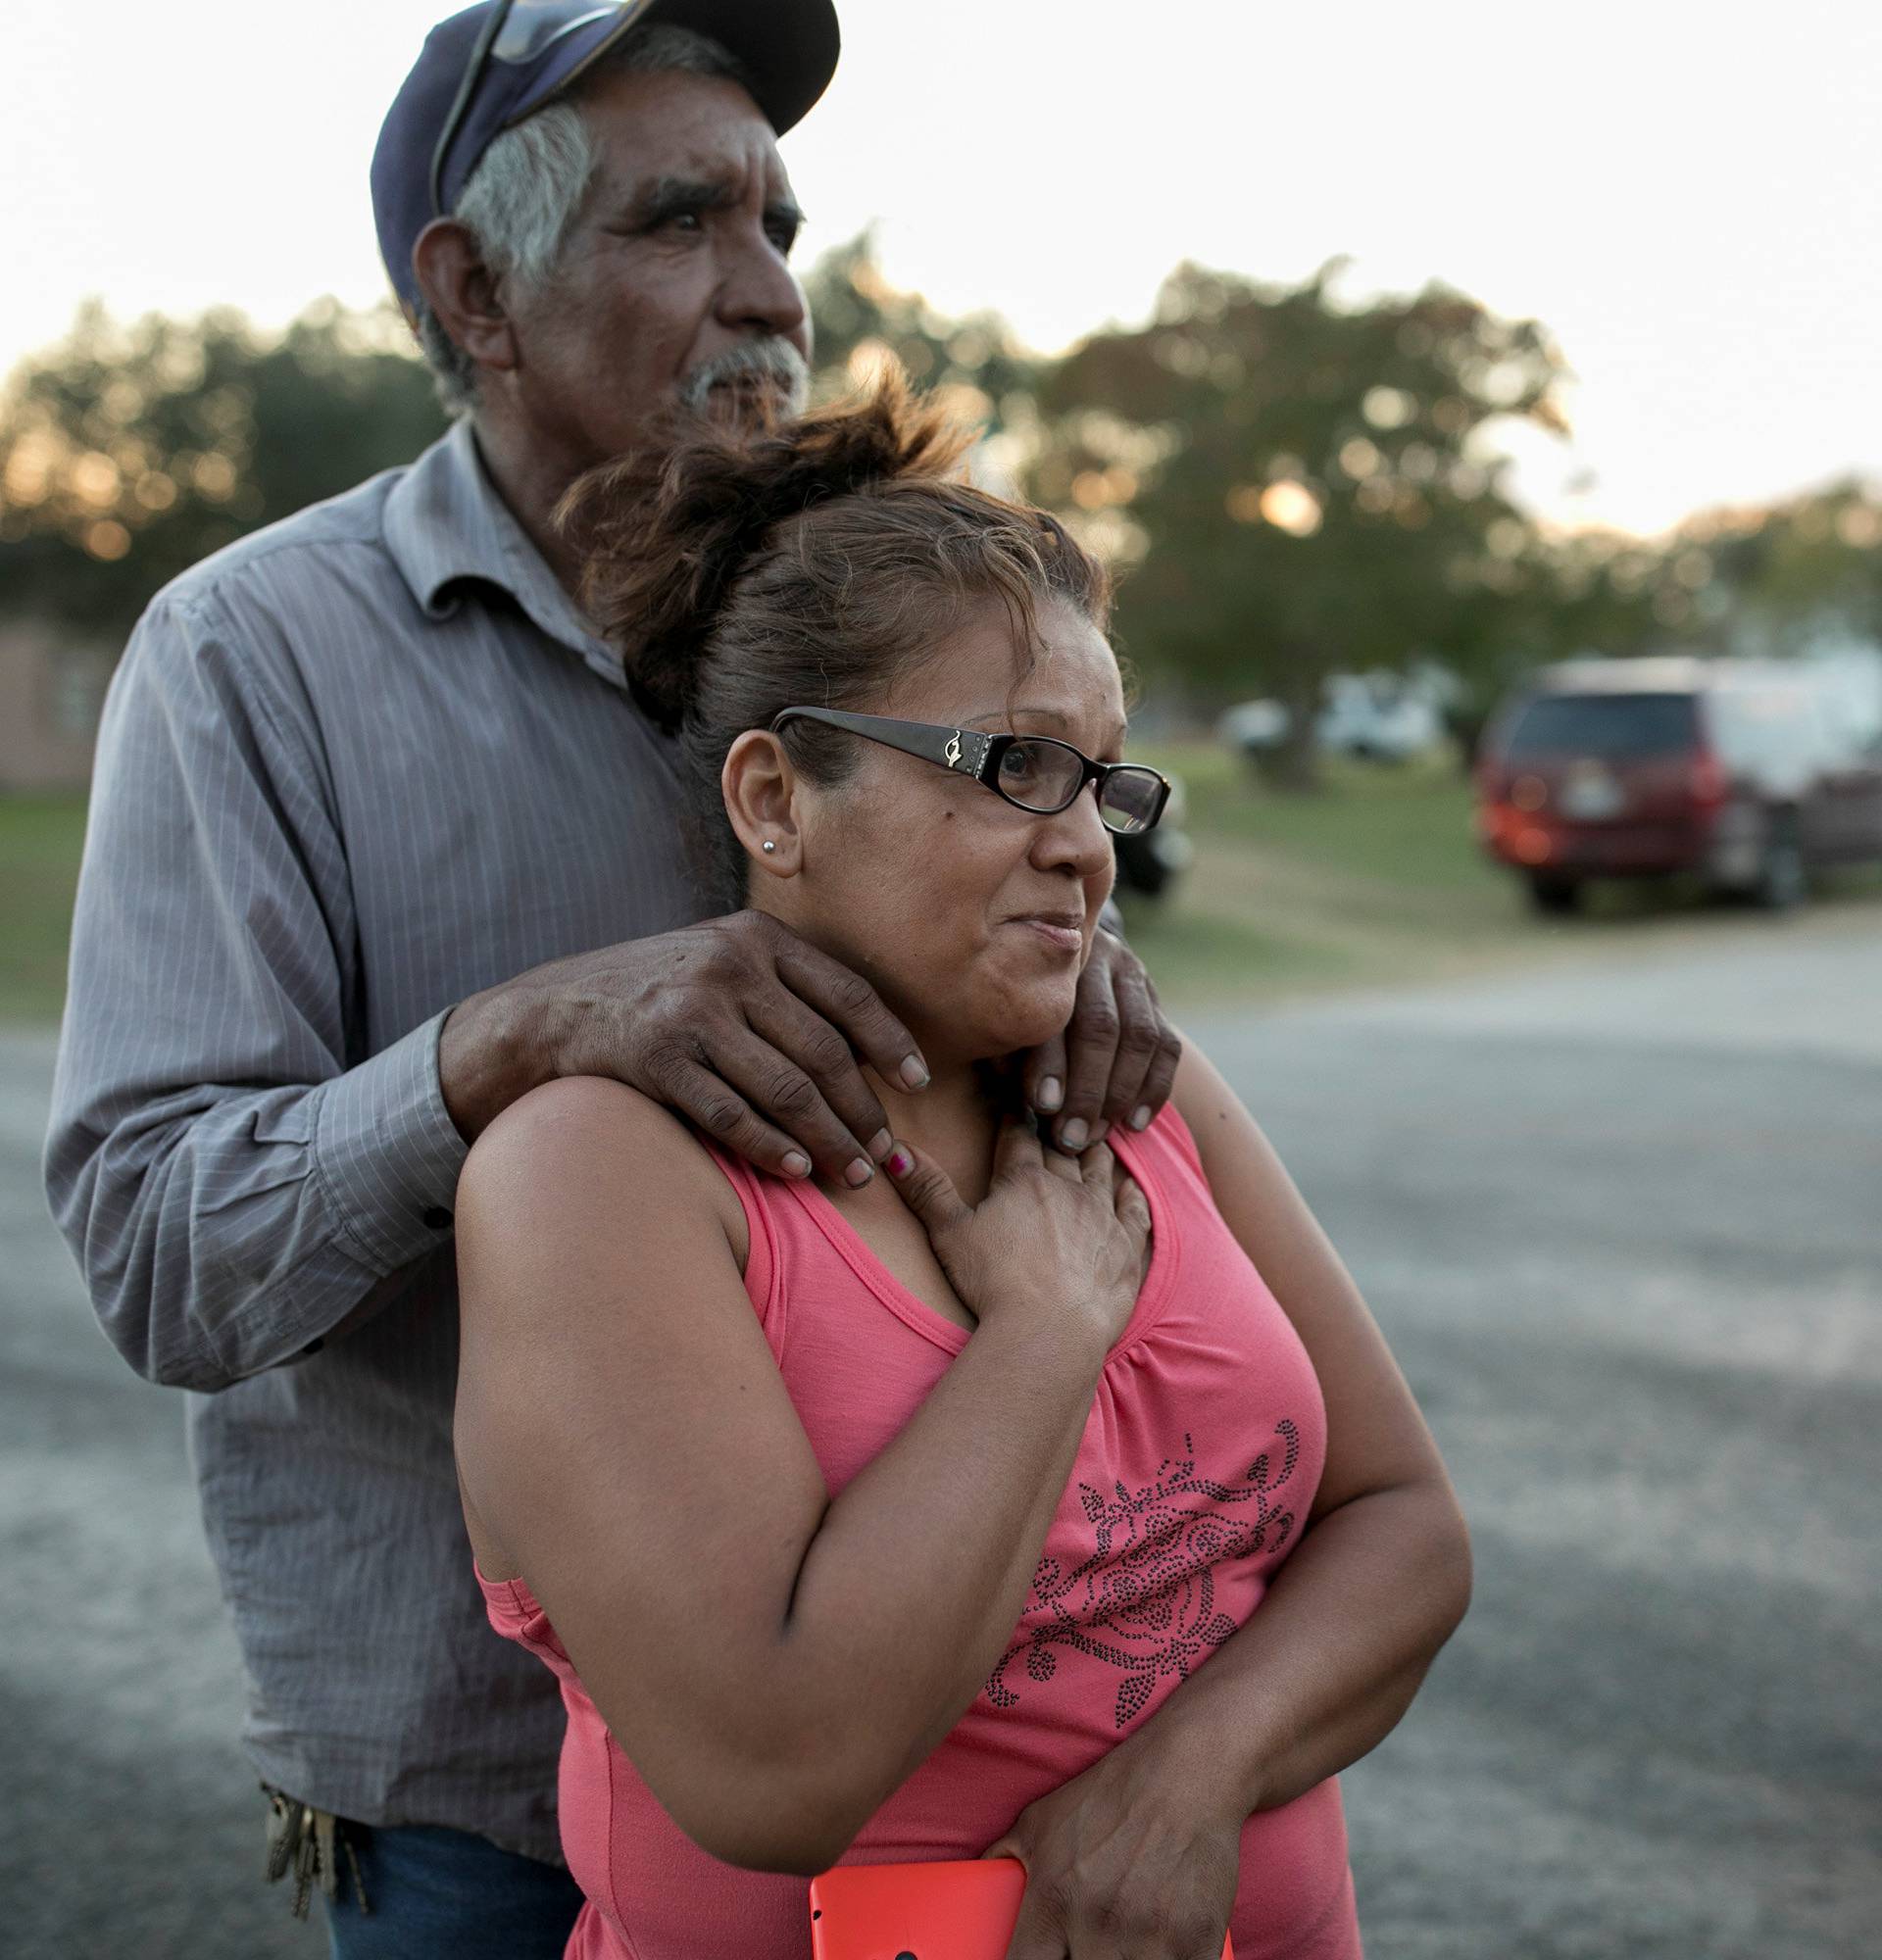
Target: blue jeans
441, 1894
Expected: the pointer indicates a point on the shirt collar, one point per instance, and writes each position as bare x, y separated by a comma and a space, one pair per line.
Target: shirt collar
446, 526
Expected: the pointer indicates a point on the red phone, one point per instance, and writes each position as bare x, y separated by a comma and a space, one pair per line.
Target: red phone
963, 1911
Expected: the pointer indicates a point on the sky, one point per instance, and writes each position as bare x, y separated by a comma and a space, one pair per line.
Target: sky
1689, 198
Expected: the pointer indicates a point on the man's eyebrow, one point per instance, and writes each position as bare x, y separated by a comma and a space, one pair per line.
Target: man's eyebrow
681, 197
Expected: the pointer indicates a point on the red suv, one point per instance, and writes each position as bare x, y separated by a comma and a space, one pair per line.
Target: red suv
1635, 768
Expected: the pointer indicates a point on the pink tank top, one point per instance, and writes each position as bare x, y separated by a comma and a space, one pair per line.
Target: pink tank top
1193, 1481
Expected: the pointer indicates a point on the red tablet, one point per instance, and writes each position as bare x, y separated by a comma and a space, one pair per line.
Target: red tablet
963, 1911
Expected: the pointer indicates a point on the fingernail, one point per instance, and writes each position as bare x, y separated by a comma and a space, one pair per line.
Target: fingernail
1140, 1117
879, 1144
796, 1165
1050, 1094
913, 1073
900, 1163
859, 1174
1073, 1135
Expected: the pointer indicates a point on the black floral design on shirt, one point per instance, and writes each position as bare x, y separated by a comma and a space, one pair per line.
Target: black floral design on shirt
1145, 1599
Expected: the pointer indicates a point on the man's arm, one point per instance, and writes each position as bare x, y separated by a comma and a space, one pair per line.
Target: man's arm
232, 1190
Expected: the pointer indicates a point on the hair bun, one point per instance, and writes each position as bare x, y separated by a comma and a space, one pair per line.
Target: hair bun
667, 528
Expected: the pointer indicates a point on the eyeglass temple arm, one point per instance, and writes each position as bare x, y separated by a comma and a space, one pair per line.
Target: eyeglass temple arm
963, 750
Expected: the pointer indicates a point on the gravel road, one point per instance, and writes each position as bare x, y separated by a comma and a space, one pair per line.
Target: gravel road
1623, 1227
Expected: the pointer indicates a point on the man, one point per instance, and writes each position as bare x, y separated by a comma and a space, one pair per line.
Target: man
379, 840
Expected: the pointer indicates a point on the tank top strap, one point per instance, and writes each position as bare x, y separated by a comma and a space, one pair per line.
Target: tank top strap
515, 1612
1174, 1148
765, 1261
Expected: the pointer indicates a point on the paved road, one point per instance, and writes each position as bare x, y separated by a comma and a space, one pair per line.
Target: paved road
1623, 1225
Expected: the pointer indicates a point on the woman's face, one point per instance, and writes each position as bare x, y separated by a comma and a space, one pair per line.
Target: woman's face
973, 918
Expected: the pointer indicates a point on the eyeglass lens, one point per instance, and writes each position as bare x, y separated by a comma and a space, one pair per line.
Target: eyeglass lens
1046, 775
1128, 801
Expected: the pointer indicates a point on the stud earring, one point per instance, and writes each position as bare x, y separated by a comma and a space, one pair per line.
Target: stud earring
768, 845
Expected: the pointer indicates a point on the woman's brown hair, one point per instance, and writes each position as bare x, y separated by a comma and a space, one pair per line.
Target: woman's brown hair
813, 563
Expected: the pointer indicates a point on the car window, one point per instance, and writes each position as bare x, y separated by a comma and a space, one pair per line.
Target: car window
1615, 727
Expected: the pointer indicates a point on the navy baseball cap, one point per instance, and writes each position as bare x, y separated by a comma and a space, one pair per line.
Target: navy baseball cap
535, 49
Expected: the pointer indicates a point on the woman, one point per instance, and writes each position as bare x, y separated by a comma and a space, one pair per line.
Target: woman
930, 1516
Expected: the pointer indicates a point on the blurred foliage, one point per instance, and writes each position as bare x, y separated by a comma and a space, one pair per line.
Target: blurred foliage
1311, 487
127, 454
1290, 485
861, 320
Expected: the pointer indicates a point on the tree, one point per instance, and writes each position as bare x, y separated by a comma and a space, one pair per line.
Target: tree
1303, 487
860, 318
1809, 565
127, 454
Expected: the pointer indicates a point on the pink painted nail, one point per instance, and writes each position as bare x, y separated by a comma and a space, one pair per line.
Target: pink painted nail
900, 1163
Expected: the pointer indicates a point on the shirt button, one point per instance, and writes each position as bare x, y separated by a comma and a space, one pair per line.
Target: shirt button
439, 1218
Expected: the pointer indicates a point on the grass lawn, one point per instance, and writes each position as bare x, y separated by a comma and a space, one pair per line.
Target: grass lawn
41, 838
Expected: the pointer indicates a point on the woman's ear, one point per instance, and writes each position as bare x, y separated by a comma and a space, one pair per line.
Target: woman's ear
760, 786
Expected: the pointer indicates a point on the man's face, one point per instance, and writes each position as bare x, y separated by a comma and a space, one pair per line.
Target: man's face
678, 257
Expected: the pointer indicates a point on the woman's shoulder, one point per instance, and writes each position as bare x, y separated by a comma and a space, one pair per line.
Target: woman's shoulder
1216, 1129
1200, 1100
603, 1148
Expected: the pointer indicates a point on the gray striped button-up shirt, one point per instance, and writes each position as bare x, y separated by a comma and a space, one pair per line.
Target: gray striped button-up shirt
352, 769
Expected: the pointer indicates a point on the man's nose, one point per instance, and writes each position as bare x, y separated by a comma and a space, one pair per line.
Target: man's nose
759, 290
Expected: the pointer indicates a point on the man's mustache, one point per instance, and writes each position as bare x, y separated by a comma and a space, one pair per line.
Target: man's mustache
774, 361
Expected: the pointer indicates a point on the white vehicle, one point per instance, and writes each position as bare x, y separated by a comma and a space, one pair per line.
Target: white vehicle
1381, 715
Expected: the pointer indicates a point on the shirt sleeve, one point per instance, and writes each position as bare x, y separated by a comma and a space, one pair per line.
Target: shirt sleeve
235, 1176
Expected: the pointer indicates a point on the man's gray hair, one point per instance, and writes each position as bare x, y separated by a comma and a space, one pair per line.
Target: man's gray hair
529, 183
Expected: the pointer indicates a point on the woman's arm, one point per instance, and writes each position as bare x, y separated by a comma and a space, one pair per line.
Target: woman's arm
1147, 1839
1382, 1577
773, 1662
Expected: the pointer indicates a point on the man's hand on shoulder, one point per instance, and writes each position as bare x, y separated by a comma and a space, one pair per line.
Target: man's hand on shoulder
736, 1023
1116, 1060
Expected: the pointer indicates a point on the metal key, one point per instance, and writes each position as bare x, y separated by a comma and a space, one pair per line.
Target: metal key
308, 1842
280, 1835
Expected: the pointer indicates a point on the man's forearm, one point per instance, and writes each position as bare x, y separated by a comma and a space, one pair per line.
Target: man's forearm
222, 1231
1330, 1662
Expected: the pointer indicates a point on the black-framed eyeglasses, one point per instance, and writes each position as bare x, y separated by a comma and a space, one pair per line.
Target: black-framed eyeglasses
516, 31
1033, 772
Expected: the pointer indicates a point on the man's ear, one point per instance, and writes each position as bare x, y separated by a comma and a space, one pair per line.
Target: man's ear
464, 293
760, 787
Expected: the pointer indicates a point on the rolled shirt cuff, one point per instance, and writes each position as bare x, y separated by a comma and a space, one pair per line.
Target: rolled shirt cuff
387, 1153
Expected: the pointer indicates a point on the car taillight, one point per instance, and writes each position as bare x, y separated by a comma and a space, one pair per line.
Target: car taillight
1708, 779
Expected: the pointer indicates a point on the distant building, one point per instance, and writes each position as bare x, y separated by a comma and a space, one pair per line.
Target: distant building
51, 691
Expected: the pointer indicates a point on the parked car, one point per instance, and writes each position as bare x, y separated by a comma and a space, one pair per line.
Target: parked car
1603, 769
1382, 717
